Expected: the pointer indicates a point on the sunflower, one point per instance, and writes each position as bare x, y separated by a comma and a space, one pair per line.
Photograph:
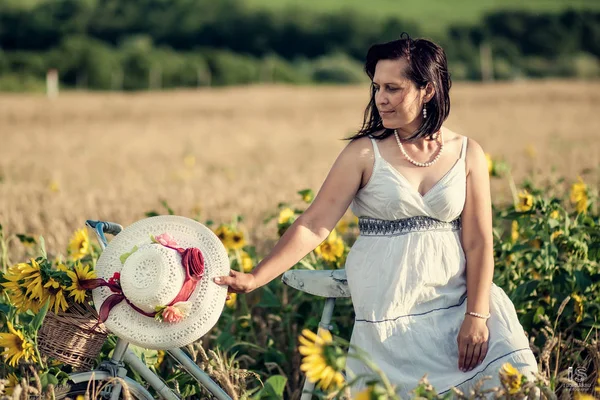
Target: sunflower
581, 206
525, 201
556, 234
247, 263
511, 378
555, 214
237, 240
578, 306
56, 295
160, 357
224, 234
366, 394
342, 226
54, 186
79, 245
232, 300
286, 216
9, 387
578, 190
514, 231
332, 248
579, 196
32, 277
322, 360
16, 346
23, 284
22, 302
80, 273
536, 244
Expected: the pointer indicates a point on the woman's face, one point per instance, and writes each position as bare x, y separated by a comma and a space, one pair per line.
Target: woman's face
398, 100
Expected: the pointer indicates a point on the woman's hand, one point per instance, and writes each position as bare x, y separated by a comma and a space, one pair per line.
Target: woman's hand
238, 282
472, 342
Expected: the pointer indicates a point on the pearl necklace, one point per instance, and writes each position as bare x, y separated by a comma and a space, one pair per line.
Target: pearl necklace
420, 164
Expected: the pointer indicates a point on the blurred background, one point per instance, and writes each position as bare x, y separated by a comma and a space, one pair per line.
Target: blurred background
153, 44
111, 109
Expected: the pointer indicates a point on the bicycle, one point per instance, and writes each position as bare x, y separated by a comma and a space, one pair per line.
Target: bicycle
328, 284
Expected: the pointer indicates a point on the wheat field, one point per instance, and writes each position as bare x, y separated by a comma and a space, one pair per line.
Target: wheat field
214, 153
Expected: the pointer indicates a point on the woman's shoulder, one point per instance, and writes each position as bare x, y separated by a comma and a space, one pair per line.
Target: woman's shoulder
473, 147
362, 146
475, 155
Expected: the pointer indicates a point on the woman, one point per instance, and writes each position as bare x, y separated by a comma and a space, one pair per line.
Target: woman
420, 273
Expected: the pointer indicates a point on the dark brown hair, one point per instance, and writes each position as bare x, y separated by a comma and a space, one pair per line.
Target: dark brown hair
426, 64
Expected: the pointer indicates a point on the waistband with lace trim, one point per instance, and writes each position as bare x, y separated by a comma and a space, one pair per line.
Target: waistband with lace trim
379, 227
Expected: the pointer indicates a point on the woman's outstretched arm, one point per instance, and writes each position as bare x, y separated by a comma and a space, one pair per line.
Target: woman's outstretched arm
314, 225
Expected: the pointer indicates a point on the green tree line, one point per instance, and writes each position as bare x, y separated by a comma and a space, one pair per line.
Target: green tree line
113, 44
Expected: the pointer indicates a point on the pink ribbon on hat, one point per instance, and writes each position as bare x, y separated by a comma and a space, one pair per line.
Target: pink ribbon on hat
192, 260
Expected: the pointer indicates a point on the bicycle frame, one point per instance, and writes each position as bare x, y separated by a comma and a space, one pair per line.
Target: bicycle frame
328, 284
122, 355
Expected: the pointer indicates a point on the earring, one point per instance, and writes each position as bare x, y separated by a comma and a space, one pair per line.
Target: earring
424, 112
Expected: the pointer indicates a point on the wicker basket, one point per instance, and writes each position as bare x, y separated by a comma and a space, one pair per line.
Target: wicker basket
74, 337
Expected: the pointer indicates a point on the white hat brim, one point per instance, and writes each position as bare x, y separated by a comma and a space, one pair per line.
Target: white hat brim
207, 300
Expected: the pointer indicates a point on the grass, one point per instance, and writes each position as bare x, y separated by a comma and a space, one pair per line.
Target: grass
434, 16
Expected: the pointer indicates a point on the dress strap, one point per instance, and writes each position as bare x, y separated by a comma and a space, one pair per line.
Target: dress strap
463, 151
375, 147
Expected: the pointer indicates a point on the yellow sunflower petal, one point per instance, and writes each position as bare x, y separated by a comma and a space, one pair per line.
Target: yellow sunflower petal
309, 334
304, 341
307, 350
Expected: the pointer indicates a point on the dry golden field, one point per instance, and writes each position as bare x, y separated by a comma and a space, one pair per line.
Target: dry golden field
243, 150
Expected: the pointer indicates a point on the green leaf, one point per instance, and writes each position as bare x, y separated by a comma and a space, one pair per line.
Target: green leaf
5, 308
552, 223
274, 387
583, 281
44, 380
519, 247
539, 312
125, 256
151, 214
52, 379
524, 290
48, 379
166, 205
37, 321
25, 239
269, 299
43, 247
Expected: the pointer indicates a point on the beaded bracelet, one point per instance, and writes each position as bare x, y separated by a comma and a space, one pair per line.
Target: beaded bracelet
474, 314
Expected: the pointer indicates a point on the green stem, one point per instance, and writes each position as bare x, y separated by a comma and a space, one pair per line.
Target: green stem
37, 352
359, 355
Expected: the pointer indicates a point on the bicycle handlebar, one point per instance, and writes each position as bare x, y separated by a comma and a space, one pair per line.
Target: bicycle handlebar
102, 227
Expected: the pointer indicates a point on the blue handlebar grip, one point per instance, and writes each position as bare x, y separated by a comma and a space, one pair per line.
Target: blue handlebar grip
112, 228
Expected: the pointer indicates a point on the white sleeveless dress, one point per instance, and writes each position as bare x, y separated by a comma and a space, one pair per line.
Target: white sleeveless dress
407, 278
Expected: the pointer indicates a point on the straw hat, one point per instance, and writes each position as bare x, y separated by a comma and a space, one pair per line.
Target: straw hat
155, 285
